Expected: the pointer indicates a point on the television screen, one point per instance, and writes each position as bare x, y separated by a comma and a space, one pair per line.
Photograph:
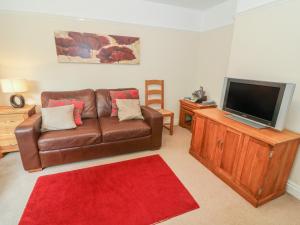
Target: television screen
255, 100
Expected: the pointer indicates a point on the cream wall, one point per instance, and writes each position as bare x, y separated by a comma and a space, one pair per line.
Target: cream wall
266, 46
263, 44
28, 50
214, 51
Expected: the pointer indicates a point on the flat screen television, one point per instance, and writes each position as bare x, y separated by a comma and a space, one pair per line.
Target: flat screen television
264, 103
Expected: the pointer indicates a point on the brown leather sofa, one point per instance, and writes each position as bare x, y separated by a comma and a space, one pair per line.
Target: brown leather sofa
100, 135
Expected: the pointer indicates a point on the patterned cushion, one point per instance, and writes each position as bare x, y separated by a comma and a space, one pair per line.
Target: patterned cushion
78, 107
125, 94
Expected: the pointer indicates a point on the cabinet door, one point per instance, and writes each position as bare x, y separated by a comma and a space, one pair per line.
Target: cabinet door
198, 134
253, 165
228, 153
210, 143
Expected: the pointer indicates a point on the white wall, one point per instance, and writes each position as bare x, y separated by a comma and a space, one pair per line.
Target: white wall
218, 16
125, 11
244, 5
140, 11
28, 51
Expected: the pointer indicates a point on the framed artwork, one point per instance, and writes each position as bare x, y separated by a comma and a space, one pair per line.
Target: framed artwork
76, 47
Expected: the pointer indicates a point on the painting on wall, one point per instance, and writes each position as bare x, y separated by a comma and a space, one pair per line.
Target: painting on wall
78, 47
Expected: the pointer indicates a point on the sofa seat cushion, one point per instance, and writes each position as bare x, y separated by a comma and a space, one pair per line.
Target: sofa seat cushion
113, 130
86, 134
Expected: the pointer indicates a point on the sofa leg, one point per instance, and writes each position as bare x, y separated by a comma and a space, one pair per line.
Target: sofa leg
35, 170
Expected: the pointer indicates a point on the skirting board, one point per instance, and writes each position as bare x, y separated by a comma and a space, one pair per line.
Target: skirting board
293, 189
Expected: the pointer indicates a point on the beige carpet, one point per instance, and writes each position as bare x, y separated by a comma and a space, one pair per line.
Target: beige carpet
219, 204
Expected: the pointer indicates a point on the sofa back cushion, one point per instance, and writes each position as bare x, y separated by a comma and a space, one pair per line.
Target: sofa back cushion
86, 95
124, 94
103, 100
78, 107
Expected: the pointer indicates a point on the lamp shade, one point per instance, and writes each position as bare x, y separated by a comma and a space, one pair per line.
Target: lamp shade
13, 85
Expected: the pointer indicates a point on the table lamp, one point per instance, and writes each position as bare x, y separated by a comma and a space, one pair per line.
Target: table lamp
15, 86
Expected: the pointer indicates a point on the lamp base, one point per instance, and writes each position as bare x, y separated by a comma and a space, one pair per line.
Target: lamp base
20, 103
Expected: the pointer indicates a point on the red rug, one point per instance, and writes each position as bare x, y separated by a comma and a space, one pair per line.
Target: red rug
133, 192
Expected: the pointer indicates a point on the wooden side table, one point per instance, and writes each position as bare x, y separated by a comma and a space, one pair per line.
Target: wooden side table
10, 118
186, 112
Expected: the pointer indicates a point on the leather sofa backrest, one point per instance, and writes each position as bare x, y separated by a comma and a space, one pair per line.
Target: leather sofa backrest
103, 100
86, 95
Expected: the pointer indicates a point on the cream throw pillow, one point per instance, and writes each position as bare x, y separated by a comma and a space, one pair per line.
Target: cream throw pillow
58, 118
129, 109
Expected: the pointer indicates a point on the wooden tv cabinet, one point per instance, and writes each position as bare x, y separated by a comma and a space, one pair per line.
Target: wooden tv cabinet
256, 163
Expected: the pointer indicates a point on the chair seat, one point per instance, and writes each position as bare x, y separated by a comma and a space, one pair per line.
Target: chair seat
113, 130
86, 134
165, 112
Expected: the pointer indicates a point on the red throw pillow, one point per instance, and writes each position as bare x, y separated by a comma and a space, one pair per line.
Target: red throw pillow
78, 107
125, 94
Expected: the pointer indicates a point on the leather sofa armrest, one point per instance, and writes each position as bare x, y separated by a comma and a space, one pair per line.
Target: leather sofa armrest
27, 134
155, 120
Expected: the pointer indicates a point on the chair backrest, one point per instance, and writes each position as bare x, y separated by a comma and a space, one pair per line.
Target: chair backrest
154, 88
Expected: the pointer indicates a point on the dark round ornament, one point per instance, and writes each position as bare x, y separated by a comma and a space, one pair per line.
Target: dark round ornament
17, 101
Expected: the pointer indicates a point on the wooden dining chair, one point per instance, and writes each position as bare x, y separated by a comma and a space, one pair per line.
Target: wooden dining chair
156, 90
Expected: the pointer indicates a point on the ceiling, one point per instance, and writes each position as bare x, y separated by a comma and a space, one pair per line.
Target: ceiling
192, 4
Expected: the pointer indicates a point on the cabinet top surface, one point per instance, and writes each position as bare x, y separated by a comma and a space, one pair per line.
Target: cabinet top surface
268, 135
195, 105
11, 110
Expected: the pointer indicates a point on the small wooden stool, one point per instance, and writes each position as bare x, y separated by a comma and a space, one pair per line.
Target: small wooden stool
158, 101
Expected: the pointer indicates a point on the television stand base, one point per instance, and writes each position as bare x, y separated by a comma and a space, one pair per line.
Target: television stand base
246, 121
